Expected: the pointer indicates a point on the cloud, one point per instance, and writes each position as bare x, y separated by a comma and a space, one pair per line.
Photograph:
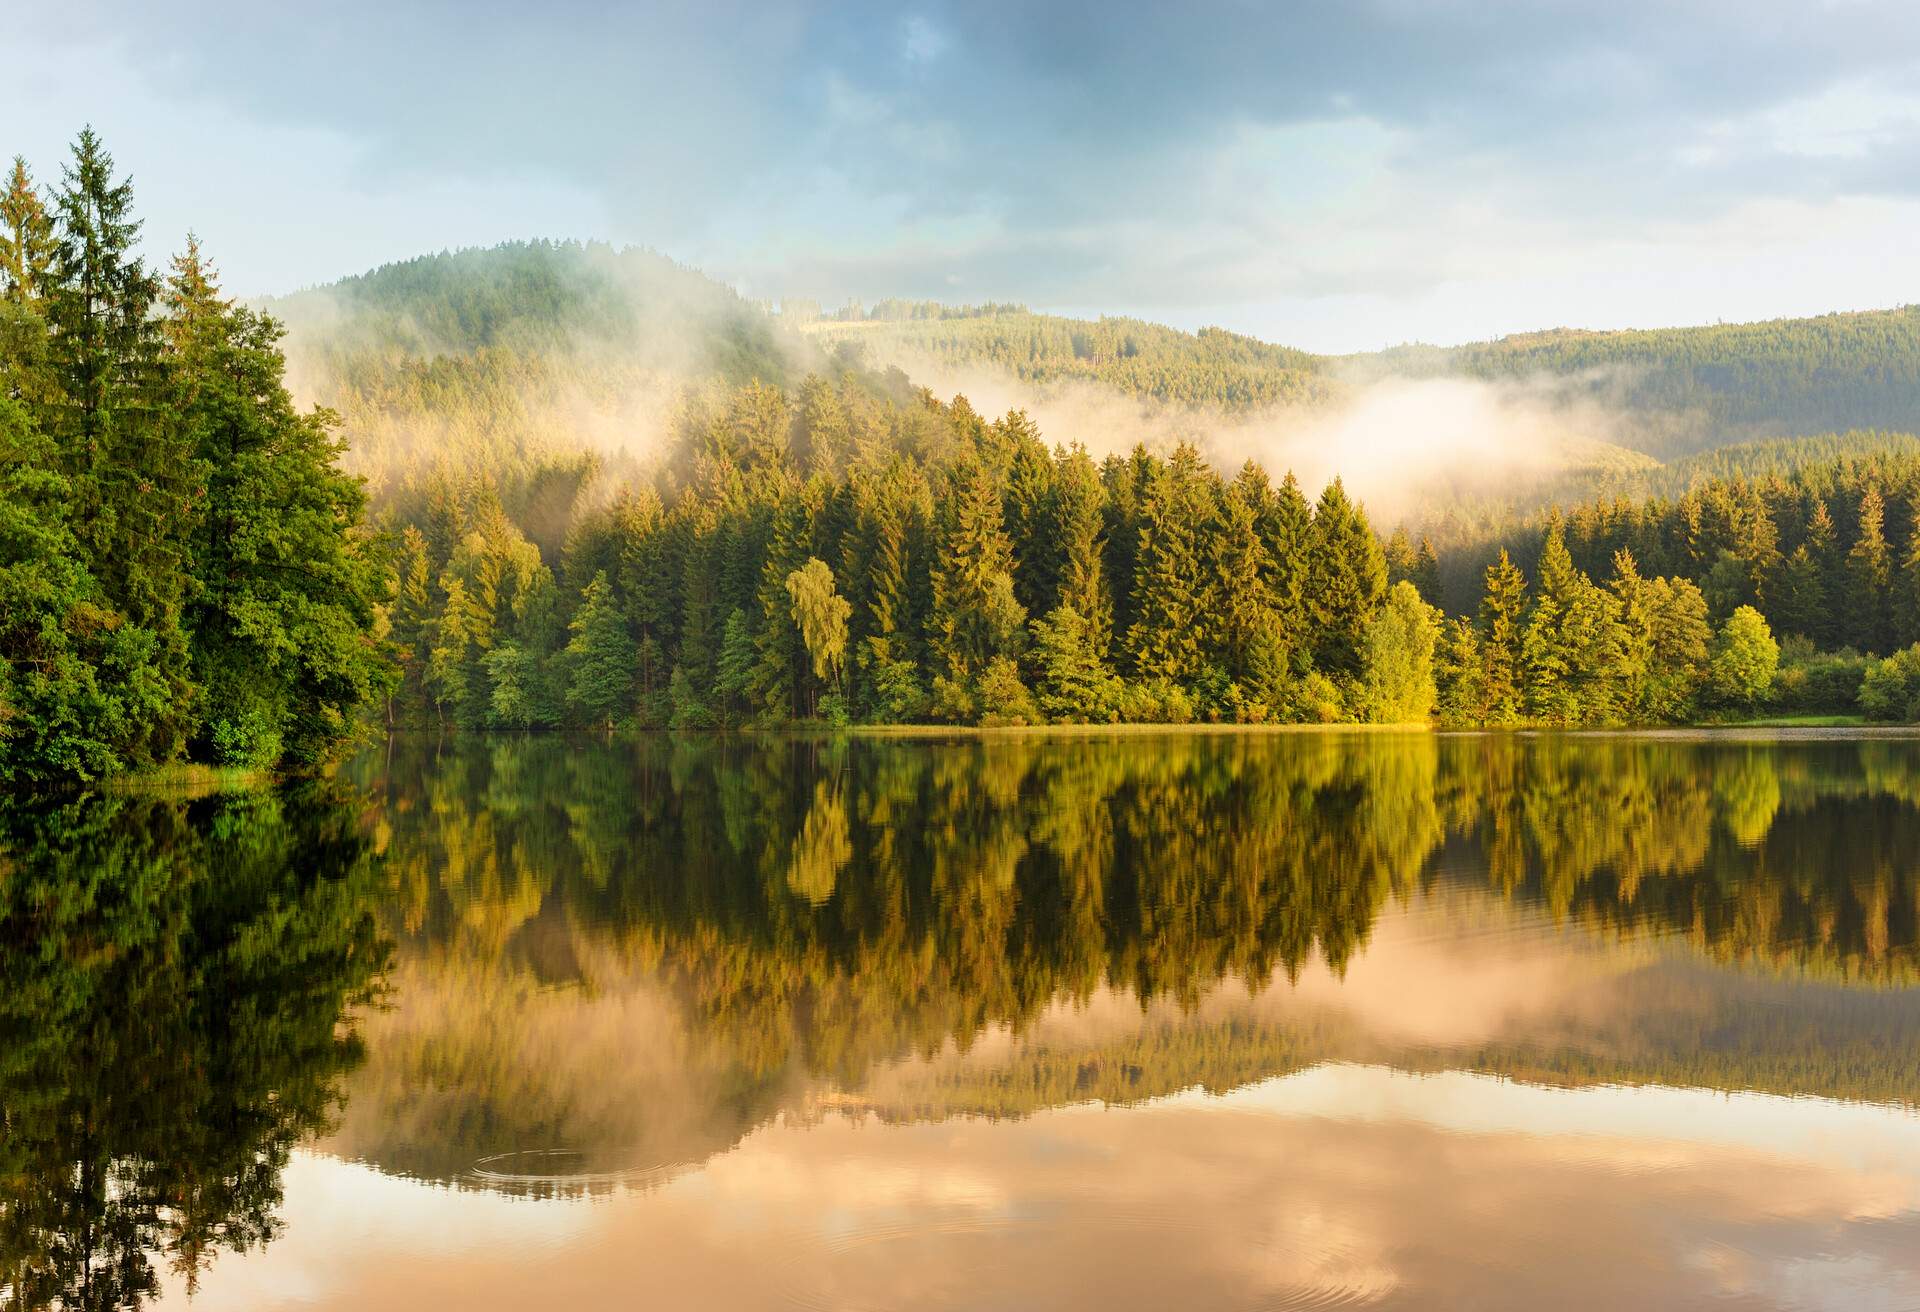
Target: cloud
1332, 170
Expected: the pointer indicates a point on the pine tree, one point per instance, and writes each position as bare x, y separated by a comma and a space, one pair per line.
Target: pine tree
1346, 580
1243, 606
1074, 686
132, 479
412, 615
1458, 673
1503, 628
1286, 527
1822, 544
780, 651
1078, 524
1869, 576
1173, 629
285, 591
733, 669
1572, 643
1030, 512
1907, 592
26, 240
975, 616
600, 657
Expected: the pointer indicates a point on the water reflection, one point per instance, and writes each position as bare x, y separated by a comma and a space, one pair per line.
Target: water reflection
686, 971
638, 952
172, 977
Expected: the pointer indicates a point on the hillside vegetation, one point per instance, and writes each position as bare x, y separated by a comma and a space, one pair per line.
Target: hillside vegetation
1669, 391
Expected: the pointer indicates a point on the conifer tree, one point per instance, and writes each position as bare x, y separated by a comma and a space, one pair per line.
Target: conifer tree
285, 591
132, 479
777, 641
26, 240
1077, 525
1244, 619
1346, 580
1907, 590
1172, 628
1503, 627
1572, 643
600, 657
1286, 527
975, 616
1869, 575
1458, 674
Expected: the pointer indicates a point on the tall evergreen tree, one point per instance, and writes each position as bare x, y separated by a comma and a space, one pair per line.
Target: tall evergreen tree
1078, 526
600, 657
285, 590
1346, 580
1869, 576
1172, 628
134, 483
26, 239
975, 615
1503, 613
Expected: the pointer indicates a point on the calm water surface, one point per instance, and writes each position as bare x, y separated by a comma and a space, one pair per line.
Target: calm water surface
1180, 1020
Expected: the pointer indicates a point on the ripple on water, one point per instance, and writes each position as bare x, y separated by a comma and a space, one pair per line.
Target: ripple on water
992, 1260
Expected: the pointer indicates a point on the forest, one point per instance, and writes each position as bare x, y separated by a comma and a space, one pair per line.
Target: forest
557, 485
182, 571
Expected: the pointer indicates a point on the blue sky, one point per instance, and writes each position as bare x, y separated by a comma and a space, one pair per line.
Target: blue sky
1336, 176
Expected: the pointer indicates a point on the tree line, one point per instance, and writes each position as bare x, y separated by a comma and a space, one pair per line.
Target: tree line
181, 569
833, 555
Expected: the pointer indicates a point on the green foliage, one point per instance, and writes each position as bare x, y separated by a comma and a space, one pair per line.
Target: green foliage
1397, 672
1745, 657
1891, 688
1075, 686
822, 616
79, 684
186, 561
601, 657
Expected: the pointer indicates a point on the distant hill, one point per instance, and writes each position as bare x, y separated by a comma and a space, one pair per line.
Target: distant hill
1212, 367
1673, 391
1696, 388
540, 297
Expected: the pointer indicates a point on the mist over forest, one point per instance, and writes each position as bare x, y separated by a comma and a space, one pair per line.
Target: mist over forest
580, 485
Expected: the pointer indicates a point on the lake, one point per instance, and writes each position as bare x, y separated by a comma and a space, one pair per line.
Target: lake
1199, 1020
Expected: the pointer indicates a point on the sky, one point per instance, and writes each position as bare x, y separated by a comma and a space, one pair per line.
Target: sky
1332, 176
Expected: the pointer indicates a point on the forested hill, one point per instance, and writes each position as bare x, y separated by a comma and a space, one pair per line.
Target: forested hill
1210, 368
540, 297
1691, 389
1667, 391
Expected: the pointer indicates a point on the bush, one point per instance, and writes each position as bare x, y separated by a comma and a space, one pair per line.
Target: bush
1891, 689
1156, 701
1001, 697
1817, 683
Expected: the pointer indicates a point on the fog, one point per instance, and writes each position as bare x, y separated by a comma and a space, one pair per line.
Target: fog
1401, 445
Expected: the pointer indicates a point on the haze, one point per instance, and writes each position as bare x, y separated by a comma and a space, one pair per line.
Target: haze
1336, 179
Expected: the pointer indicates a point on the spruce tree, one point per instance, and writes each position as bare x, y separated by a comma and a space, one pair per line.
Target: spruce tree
600, 657
1503, 613
1078, 525
134, 483
1907, 592
1346, 580
975, 615
1173, 626
1869, 576
26, 240
285, 589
